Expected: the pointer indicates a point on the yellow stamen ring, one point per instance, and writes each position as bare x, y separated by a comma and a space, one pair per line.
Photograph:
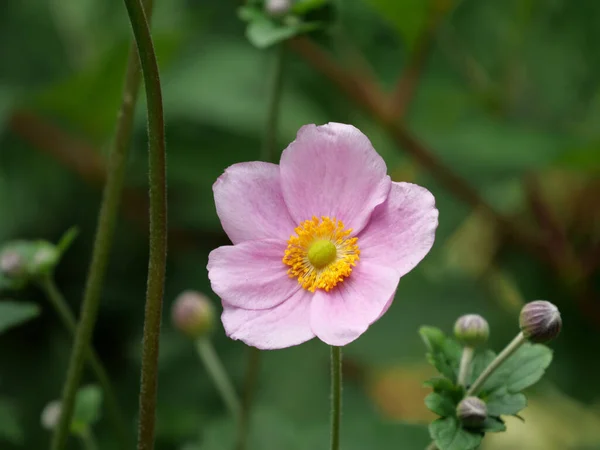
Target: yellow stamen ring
321, 254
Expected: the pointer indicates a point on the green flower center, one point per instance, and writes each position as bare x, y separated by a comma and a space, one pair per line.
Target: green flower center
321, 253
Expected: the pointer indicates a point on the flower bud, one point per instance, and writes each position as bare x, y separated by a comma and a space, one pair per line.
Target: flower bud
12, 264
540, 321
44, 259
472, 412
51, 415
193, 314
278, 8
471, 330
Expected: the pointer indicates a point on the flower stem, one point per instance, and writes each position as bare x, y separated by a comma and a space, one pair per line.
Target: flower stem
275, 84
217, 372
158, 223
465, 366
107, 218
252, 371
503, 356
88, 440
68, 319
336, 396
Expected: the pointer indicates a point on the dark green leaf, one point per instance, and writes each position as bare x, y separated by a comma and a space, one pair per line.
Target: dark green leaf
440, 404
263, 32
449, 435
440, 384
88, 406
14, 313
481, 360
493, 425
302, 7
444, 353
507, 404
10, 429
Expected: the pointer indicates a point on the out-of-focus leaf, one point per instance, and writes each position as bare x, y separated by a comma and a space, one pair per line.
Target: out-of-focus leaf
88, 407
449, 435
10, 428
263, 32
14, 313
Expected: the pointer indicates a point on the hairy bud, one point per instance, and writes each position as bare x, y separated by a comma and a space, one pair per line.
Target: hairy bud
472, 411
540, 321
193, 314
51, 415
472, 330
278, 7
12, 263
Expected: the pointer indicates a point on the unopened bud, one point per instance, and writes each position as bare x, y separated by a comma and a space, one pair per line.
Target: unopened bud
12, 264
193, 314
540, 321
51, 415
278, 7
472, 412
44, 259
472, 330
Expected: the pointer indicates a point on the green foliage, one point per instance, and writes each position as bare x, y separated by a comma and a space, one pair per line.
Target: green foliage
10, 428
88, 407
501, 392
14, 313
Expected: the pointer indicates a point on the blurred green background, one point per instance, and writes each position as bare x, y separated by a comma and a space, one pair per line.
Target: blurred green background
506, 95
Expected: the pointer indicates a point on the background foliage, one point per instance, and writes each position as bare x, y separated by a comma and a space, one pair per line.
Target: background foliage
505, 94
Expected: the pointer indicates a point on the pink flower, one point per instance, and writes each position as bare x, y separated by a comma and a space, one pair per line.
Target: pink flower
320, 241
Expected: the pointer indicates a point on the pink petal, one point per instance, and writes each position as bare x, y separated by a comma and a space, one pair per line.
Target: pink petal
251, 275
402, 230
250, 203
340, 316
333, 170
283, 326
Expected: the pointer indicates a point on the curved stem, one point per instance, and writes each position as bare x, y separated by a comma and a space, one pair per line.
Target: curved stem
503, 356
465, 365
158, 223
336, 396
217, 372
107, 218
252, 371
275, 84
68, 319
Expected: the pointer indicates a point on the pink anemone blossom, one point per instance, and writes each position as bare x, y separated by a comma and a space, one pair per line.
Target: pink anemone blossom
320, 241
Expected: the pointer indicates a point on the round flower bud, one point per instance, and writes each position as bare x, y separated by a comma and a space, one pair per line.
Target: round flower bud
472, 412
51, 415
278, 7
540, 321
12, 264
44, 259
193, 314
472, 330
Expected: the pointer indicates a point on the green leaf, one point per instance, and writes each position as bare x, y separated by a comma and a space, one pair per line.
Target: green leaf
507, 404
10, 428
263, 32
88, 405
440, 384
440, 404
67, 239
480, 361
444, 353
14, 313
493, 425
302, 7
449, 435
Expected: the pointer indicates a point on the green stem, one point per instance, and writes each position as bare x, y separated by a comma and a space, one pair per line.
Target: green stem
158, 223
336, 396
88, 440
465, 365
107, 218
68, 319
251, 377
217, 372
276, 85
503, 356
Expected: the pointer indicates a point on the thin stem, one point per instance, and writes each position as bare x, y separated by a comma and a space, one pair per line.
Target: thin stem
219, 376
336, 396
252, 371
68, 319
465, 366
88, 440
158, 223
503, 356
275, 84
102, 245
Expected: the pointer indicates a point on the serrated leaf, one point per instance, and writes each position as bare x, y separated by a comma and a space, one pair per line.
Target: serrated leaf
449, 435
444, 353
440, 404
10, 429
13, 313
507, 404
493, 425
88, 405
440, 384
